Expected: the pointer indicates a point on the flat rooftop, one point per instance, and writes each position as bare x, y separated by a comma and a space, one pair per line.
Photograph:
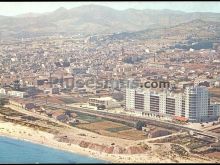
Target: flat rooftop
102, 98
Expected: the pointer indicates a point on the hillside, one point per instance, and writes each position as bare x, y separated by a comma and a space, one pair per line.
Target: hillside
93, 19
195, 29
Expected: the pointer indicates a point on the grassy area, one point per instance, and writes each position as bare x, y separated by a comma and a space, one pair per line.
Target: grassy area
10, 112
27, 120
113, 129
186, 140
88, 118
68, 100
118, 129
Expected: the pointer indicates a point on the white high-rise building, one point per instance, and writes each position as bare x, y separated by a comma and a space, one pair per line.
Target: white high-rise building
147, 100
179, 105
129, 99
216, 108
196, 103
162, 102
192, 104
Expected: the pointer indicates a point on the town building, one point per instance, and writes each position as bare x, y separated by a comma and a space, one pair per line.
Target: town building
18, 94
192, 104
2, 91
106, 102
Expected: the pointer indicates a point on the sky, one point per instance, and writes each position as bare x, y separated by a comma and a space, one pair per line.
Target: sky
16, 8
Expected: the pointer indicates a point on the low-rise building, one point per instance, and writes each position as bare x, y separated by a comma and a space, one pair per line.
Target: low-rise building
107, 102
54, 90
17, 94
2, 91
60, 115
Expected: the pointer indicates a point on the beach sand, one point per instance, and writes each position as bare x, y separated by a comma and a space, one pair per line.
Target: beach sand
26, 133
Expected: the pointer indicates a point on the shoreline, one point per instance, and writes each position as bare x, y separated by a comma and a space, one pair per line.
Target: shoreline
49, 146
24, 133
52, 143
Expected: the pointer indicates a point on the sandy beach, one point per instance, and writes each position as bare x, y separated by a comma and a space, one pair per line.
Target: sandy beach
25, 133
39, 137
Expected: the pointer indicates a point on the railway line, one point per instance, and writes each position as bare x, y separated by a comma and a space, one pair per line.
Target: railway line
131, 120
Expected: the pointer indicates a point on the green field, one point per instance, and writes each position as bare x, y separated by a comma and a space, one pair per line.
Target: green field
68, 100
88, 118
118, 129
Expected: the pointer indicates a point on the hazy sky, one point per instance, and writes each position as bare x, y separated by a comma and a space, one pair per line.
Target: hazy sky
15, 8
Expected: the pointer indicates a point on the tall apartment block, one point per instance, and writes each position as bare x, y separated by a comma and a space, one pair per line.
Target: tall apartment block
192, 104
196, 103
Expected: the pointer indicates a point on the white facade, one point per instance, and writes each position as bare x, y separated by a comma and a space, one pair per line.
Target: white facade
147, 101
196, 103
162, 105
178, 104
17, 94
130, 97
192, 104
216, 108
108, 102
2, 91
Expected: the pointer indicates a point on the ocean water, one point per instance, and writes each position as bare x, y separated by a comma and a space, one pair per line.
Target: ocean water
17, 151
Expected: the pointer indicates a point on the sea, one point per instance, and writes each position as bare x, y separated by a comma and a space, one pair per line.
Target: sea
18, 151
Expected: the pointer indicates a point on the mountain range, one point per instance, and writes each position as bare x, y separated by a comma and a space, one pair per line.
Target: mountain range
95, 19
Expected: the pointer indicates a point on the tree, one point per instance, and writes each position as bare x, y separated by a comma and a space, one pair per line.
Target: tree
140, 124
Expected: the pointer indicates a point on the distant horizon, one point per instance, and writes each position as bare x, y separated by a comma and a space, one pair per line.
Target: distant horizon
20, 8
